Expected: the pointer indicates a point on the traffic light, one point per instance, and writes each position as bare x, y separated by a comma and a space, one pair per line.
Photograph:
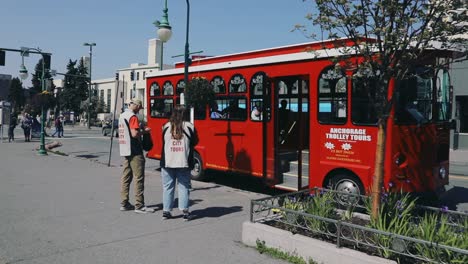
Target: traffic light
2, 58
46, 58
132, 75
117, 76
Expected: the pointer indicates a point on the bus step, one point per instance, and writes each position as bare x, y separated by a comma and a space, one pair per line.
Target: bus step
290, 182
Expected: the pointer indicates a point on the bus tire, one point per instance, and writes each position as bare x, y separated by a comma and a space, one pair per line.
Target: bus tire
198, 173
347, 183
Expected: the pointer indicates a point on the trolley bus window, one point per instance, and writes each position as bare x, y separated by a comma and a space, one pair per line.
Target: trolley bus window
219, 86
332, 97
168, 89
237, 84
161, 107
232, 108
414, 99
257, 90
199, 113
180, 87
155, 90
363, 104
443, 95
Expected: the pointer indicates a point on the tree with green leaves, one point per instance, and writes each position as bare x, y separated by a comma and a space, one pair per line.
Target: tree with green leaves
16, 94
74, 91
391, 37
36, 79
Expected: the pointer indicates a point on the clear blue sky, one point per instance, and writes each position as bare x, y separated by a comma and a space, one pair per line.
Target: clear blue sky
121, 29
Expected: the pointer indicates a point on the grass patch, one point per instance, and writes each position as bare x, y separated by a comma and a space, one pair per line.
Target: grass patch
275, 253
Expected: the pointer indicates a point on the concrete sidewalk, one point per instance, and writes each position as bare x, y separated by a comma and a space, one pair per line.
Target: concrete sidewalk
59, 209
459, 162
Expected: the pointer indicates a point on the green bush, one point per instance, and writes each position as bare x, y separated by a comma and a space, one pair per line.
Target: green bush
436, 229
394, 216
322, 204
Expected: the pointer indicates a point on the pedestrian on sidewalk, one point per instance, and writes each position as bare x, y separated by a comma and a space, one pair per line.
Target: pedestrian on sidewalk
58, 127
11, 127
26, 124
134, 162
179, 139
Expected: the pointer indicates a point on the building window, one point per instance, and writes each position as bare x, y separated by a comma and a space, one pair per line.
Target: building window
144, 75
138, 76
108, 101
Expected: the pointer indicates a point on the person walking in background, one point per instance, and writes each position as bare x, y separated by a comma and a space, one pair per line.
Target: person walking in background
11, 127
134, 162
26, 124
58, 127
179, 139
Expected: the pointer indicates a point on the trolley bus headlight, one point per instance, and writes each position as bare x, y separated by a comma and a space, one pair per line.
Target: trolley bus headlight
442, 172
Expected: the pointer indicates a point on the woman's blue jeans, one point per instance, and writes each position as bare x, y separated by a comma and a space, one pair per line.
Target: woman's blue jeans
169, 177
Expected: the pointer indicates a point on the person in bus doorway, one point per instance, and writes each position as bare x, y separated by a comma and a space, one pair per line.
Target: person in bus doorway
179, 139
134, 161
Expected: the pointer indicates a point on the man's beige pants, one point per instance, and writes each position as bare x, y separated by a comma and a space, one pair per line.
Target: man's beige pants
134, 167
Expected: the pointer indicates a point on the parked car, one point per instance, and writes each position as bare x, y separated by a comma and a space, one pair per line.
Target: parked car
107, 128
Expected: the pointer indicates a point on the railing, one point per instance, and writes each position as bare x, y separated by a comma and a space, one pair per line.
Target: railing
350, 228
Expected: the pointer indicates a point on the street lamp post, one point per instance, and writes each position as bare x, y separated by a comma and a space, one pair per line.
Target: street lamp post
186, 53
164, 31
23, 75
89, 89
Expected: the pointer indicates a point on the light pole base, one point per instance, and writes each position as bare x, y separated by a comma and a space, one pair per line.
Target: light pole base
42, 152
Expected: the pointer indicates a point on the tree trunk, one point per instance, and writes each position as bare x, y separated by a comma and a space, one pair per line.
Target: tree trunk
379, 169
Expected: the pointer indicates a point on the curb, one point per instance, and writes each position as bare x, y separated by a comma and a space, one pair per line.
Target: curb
305, 247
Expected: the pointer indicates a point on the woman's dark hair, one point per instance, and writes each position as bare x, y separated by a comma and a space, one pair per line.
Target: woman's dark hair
177, 119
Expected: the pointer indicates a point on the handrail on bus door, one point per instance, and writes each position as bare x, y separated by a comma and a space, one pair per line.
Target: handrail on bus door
288, 133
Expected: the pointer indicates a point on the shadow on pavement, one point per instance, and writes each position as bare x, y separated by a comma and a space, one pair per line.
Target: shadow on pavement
242, 182
215, 211
455, 196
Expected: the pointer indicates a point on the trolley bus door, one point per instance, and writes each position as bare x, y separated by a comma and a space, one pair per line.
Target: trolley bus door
289, 132
268, 131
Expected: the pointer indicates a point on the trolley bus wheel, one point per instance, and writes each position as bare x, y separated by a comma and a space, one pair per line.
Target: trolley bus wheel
197, 172
347, 184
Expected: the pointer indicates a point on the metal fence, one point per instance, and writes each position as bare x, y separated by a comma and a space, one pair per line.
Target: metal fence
349, 226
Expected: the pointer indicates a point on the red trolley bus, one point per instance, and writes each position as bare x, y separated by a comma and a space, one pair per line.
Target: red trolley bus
285, 114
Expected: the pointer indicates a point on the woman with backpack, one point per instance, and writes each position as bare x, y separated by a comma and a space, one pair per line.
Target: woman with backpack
179, 139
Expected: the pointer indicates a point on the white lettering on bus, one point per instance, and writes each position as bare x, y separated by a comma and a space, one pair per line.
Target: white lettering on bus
354, 134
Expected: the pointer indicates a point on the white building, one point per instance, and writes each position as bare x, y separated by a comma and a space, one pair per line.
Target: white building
117, 93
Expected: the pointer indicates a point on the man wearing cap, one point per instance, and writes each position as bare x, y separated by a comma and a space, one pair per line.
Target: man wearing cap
134, 161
